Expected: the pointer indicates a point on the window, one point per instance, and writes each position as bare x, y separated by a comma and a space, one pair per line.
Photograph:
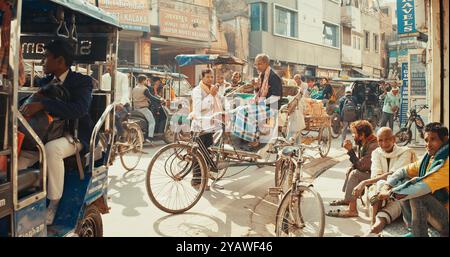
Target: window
330, 35
258, 17
285, 22
375, 42
367, 40
354, 42
350, 3
358, 44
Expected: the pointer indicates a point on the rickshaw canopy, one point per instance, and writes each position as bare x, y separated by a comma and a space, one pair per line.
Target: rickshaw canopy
160, 74
79, 6
213, 59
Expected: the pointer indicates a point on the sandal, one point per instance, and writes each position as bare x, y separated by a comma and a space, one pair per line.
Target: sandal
341, 214
339, 203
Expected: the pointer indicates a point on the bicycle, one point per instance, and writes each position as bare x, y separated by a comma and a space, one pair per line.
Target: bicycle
132, 141
301, 211
404, 136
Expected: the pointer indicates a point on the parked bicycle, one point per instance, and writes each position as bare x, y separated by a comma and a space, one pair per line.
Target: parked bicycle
404, 136
301, 211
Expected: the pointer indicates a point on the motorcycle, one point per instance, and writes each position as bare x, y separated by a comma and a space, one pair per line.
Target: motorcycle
404, 136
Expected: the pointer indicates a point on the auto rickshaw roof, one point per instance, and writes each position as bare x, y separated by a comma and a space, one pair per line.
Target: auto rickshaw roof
81, 7
213, 59
154, 73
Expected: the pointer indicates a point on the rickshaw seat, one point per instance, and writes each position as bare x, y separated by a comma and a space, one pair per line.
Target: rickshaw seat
28, 179
98, 105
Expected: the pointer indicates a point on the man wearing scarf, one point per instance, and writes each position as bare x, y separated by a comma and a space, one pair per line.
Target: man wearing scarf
269, 92
367, 142
423, 187
206, 104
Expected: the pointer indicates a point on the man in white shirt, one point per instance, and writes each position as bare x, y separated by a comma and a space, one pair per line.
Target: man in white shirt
300, 81
205, 103
121, 93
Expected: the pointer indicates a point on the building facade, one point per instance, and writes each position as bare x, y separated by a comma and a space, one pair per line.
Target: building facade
134, 39
300, 36
184, 27
362, 52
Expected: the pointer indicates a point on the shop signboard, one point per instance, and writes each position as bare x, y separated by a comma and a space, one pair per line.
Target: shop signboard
183, 20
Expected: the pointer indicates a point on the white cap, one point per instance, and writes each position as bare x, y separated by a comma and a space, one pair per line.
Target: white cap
348, 90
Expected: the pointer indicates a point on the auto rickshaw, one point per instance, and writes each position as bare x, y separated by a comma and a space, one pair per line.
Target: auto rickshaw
175, 89
23, 193
367, 92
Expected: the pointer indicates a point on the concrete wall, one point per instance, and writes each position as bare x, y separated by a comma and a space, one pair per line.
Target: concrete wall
308, 47
371, 23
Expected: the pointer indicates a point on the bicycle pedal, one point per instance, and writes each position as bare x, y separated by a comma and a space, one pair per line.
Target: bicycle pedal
275, 191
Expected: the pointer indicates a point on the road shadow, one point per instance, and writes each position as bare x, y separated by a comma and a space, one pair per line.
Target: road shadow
239, 205
127, 191
182, 225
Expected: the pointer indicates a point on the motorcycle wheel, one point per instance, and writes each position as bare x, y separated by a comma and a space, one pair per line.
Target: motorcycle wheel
403, 137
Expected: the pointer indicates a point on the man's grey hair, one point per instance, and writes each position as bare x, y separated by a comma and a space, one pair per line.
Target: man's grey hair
385, 130
263, 57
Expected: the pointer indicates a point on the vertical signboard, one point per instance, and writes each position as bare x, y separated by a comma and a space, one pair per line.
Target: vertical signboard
406, 17
146, 52
404, 95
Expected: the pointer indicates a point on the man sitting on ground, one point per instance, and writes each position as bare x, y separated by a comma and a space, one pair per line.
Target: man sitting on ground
367, 143
385, 160
422, 187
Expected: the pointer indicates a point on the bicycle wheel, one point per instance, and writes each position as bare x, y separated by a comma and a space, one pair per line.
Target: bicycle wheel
324, 141
403, 137
171, 182
301, 214
336, 129
130, 151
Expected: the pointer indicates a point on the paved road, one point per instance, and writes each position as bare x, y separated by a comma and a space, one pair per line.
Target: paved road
226, 212
242, 208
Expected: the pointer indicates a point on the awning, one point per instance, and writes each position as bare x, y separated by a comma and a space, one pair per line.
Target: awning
361, 72
214, 59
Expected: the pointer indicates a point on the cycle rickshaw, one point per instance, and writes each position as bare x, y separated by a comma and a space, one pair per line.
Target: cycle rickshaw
23, 193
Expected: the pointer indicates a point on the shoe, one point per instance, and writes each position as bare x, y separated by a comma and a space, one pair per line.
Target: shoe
409, 234
51, 211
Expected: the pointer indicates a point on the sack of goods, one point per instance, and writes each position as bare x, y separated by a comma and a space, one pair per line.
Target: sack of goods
314, 108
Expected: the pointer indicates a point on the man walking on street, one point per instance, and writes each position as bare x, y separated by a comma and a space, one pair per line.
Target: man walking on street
390, 107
